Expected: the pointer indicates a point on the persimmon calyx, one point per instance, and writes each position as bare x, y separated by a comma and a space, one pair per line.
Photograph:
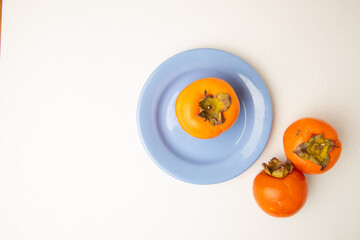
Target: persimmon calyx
317, 150
212, 107
278, 169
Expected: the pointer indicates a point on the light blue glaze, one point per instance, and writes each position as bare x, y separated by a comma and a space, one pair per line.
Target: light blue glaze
203, 161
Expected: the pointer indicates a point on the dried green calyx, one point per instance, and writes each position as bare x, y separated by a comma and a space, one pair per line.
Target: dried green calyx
278, 169
212, 107
317, 150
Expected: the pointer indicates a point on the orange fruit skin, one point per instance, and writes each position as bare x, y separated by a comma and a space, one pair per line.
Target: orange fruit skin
301, 131
280, 197
187, 108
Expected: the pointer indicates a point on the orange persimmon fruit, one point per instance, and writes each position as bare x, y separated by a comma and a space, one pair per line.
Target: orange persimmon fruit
312, 145
280, 190
207, 107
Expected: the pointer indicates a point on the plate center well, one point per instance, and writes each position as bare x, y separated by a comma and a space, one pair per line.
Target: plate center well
189, 148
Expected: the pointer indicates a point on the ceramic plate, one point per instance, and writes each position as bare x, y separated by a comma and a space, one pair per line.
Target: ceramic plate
203, 161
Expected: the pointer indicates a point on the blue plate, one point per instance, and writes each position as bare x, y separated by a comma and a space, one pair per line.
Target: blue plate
203, 161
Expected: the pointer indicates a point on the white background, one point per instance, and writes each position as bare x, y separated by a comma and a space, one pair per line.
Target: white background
71, 163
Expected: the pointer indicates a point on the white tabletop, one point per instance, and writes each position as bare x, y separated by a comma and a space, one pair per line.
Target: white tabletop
72, 165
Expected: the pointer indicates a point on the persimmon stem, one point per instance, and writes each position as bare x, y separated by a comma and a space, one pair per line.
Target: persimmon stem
211, 107
278, 169
317, 150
